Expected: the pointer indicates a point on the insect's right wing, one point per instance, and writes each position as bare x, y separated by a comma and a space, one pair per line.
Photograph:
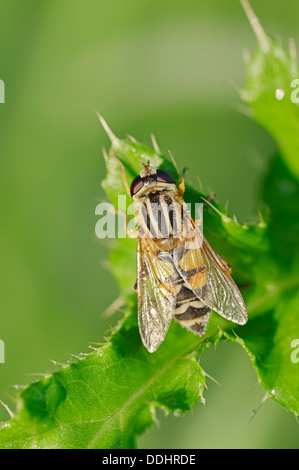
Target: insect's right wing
156, 294
204, 272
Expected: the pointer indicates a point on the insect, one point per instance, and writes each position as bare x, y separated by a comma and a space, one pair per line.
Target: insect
179, 275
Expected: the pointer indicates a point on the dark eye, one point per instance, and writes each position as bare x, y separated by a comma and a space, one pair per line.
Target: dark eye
164, 177
136, 185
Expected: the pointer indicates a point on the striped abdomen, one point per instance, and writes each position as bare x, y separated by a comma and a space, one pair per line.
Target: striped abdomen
190, 311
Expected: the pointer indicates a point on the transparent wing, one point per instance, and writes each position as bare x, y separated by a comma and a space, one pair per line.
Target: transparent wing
205, 273
156, 295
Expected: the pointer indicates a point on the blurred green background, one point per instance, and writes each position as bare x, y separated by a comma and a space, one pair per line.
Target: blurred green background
171, 68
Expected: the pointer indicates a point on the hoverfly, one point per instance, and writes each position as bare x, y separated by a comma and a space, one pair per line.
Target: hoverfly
179, 275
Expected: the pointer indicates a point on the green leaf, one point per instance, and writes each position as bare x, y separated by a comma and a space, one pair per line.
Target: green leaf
109, 396
280, 191
269, 92
274, 300
271, 350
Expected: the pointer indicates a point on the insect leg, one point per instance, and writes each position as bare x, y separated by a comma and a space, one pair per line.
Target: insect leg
226, 266
211, 198
132, 234
123, 174
123, 177
182, 184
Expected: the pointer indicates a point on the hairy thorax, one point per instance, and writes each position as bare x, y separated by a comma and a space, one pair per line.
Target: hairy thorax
160, 217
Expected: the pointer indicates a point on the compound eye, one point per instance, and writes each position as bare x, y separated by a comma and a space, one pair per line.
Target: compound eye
136, 185
164, 177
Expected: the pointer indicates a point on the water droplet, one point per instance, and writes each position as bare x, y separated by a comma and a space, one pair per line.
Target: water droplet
279, 94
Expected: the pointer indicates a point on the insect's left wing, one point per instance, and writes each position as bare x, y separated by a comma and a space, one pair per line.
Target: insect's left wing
156, 293
205, 273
